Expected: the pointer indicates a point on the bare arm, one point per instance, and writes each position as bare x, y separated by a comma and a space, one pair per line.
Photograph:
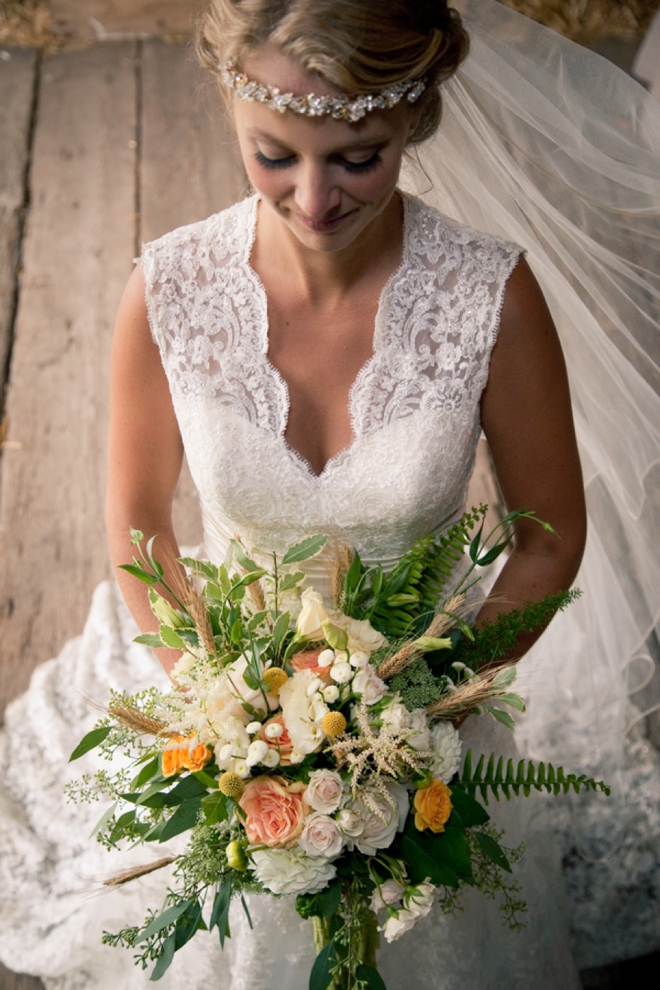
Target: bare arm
527, 418
145, 451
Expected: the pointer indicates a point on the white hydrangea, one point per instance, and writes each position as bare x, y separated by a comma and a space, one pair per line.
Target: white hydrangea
291, 871
446, 749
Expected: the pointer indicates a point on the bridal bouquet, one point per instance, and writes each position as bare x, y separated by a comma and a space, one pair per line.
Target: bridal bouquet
312, 750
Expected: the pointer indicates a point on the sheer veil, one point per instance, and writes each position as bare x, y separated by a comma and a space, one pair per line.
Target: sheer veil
551, 146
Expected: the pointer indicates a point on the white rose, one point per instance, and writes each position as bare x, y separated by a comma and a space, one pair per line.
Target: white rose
368, 684
312, 614
302, 714
420, 898
398, 924
420, 736
350, 822
291, 871
446, 749
341, 672
359, 659
379, 827
321, 836
395, 715
386, 895
324, 791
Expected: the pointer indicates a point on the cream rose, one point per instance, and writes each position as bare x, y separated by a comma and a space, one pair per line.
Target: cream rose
368, 685
321, 836
325, 791
380, 827
313, 614
362, 637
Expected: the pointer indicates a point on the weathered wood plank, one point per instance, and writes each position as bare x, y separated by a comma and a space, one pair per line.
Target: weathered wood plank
18, 981
190, 169
16, 89
101, 19
77, 256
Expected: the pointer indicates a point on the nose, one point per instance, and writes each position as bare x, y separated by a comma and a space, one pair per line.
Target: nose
316, 192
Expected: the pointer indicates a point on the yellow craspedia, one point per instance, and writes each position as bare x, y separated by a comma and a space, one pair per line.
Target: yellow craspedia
231, 784
236, 856
432, 807
334, 724
275, 678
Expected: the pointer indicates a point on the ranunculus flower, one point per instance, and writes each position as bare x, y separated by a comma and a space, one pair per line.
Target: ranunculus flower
446, 749
274, 811
432, 806
312, 615
324, 791
321, 837
309, 660
282, 743
368, 684
291, 871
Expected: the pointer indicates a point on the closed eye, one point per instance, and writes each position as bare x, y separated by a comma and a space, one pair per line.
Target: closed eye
365, 166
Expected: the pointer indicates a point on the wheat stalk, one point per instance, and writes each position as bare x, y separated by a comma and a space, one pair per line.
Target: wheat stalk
189, 597
139, 722
440, 623
467, 696
138, 871
340, 567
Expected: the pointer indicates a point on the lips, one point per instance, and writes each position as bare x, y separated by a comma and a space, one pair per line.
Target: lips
323, 226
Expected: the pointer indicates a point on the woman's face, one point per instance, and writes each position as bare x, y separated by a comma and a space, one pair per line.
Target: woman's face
326, 179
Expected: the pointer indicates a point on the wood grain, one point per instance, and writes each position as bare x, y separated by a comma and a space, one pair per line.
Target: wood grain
103, 19
190, 168
77, 256
16, 87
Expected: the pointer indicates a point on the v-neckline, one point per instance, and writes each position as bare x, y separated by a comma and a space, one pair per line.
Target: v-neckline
264, 336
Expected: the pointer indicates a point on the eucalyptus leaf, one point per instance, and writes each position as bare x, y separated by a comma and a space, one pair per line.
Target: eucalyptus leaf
90, 741
220, 912
184, 818
164, 960
168, 917
370, 977
493, 850
304, 550
104, 819
321, 974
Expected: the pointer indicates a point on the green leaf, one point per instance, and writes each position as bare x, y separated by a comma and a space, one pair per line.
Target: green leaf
493, 850
164, 960
241, 557
429, 643
304, 550
200, 567
468, 808
171, 638
321, 973
90, 741
206, 780
236, 634
136, 536
150, 639
280, 630
155, 788
139, 572
502, 717
505, 677
184, 818
370, 977
328, 900
214, 807
104, 819
291, 580
168, 917
189, 922
403, 598
513, 700
421, 865
220, 912
248, 578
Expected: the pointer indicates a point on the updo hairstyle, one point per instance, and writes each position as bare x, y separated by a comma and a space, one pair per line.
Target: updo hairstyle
359, 46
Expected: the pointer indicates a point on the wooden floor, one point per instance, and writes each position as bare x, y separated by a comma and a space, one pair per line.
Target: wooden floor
101, 149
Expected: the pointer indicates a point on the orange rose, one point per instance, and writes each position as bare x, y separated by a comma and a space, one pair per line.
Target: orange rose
282, 743
180, 757
433, 807
308, 660
274, 811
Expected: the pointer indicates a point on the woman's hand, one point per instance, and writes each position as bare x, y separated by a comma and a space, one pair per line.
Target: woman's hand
145, 452
527, 418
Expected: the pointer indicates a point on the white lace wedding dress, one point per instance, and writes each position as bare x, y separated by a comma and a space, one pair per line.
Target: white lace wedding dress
415, 418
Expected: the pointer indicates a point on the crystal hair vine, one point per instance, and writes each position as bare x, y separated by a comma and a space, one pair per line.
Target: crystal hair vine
347, 108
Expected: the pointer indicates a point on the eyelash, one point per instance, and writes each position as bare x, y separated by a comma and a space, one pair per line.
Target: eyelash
359, 167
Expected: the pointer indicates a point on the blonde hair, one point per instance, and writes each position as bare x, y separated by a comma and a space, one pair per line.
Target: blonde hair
360, 46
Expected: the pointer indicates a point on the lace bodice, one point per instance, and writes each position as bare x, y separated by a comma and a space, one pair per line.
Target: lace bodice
414, 407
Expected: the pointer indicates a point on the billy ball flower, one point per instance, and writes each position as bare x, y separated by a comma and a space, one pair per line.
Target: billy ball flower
231, 785
334, 724
274, 678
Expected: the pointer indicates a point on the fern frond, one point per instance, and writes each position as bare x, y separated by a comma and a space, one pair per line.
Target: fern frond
492, 777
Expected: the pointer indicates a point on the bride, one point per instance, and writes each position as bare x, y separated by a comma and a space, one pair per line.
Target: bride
326, 352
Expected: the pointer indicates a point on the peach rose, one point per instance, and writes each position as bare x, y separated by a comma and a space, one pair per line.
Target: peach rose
274, 811
282, 744
432, 807
308, 660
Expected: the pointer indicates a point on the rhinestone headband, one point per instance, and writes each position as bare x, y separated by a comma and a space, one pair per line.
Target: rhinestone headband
338, 107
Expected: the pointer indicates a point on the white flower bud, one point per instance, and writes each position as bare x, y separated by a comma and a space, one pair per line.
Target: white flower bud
326, 658
256, 752
296, 757
271, 759
341, 672
359, 659
226, 752
274, 730
241, 768
252, 727
331, 694
314, 685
